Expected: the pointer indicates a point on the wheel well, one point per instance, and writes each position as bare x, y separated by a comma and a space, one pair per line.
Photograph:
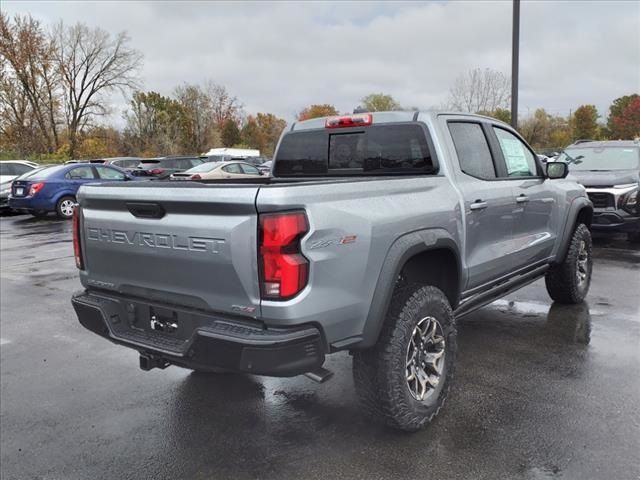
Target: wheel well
438, 268
585, 215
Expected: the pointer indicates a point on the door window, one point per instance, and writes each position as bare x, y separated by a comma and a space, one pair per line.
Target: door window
20, 168
80, 173
473, 150
249, 169
518, 158
107, 173
7, 169
232, 168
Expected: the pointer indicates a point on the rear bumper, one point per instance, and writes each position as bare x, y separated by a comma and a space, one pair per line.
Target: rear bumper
614, 221
30, 203
201, 340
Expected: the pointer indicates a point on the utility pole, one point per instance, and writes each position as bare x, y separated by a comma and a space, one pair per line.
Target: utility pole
515, 54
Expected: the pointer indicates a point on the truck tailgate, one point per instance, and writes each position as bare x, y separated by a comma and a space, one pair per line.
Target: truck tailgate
190, 245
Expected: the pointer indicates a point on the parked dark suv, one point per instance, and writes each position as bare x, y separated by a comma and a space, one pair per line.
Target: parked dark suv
161, 168
610, 171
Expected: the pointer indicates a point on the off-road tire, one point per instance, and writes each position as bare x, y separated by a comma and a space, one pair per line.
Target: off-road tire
380, 373
562, 280
62, 207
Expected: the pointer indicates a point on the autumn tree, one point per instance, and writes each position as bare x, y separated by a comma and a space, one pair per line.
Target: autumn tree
230, 133
585, 122
626, 124
29, 85
317, 110
201, 129
501, 114
224, 105
100, 142
616, 110
480, 90
379, 102
155, 125
91, 64
263, 132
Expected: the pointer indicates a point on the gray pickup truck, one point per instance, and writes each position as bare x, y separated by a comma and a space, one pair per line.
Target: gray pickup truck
374, 233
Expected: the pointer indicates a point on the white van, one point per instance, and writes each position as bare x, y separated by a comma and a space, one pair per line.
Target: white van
233, 152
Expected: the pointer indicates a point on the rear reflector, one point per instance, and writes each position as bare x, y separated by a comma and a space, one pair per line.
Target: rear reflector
284, 271
77, 248
196, 177
360, 120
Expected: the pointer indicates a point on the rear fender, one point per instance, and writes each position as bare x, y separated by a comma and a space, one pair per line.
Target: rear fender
400, 251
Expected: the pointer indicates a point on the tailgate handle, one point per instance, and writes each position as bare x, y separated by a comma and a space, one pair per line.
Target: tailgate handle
146, 210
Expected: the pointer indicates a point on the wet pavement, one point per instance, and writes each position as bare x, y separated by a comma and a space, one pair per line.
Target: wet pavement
542, 391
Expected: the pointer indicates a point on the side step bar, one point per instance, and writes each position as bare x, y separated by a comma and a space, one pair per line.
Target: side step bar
481, 299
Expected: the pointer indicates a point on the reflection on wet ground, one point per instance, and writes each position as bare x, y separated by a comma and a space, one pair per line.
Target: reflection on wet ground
541, 391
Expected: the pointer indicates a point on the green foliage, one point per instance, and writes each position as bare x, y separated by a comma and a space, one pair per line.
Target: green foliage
501, 114
317, 110
379, 102
585, 122
230, 133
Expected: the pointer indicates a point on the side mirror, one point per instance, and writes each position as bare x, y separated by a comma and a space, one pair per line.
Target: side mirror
557, 170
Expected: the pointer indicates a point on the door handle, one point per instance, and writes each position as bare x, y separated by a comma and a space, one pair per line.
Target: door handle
522, 199
478, 205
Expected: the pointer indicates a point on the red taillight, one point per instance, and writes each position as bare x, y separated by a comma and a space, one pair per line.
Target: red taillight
77, 248
196, 177
359, 120
284, 270
35, 188
156, 171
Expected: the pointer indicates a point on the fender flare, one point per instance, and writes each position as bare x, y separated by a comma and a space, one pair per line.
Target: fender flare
575, 208
401, 250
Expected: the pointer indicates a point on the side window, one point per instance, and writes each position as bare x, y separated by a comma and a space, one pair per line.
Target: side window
517, 157
249, 169
7, 169
80, 173
473, 150
107, 173
232, 168
20, 168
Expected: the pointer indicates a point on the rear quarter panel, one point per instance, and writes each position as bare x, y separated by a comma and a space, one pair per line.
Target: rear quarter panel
352, 227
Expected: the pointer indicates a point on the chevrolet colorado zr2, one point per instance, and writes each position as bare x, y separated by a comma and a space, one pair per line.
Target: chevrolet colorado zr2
374, 233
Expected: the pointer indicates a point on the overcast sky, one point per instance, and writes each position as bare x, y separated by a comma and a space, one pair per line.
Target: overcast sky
280, 57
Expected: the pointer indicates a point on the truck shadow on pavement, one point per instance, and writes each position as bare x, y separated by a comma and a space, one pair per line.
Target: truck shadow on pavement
259, 426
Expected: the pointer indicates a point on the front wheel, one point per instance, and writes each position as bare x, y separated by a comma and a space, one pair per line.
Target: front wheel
569, 281
404, 379
65, 207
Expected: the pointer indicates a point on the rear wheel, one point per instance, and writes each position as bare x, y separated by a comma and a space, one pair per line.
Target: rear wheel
65, 207
569, 281
404, 379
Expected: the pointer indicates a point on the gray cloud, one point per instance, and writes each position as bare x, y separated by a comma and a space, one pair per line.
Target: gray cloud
280, 57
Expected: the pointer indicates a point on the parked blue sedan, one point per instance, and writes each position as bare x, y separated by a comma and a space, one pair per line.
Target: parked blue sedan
54, 189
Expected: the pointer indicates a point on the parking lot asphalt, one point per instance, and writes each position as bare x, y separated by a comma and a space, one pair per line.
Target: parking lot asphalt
542, 391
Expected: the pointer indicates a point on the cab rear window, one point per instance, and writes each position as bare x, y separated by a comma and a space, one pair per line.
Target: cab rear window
381, 149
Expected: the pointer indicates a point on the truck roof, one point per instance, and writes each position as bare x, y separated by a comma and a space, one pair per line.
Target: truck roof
384, 117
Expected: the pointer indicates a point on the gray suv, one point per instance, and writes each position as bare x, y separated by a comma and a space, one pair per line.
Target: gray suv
374, 234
